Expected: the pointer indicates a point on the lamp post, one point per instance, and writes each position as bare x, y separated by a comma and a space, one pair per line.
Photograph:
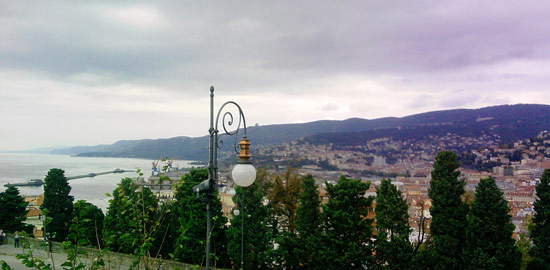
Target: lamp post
243, 172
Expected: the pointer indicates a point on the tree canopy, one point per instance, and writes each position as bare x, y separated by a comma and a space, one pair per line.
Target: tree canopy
308, 225
131, 216
540, 233
57, 206
448, 227
191, 212
250, 236
13, 210
393, 248
489, 242
347, 230
87, 225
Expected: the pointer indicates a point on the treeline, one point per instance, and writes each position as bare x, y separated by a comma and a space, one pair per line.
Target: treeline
282, 222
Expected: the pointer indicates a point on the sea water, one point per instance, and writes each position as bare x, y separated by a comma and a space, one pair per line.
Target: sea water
19, 167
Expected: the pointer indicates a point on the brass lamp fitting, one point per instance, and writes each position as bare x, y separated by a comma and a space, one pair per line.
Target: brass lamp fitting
244, 154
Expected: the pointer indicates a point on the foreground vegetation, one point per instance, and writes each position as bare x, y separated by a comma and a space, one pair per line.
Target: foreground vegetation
283, 224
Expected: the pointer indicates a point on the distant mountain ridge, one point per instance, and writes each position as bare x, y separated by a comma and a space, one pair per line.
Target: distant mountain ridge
511, 122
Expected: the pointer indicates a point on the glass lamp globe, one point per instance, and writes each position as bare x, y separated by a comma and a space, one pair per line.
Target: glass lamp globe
243, 174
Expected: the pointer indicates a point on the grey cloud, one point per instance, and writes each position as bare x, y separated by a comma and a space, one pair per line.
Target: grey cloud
202, 41
73, 58
460, 98
329, 107
420, 102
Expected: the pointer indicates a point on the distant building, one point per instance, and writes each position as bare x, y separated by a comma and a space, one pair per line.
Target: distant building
34, 215
503, 170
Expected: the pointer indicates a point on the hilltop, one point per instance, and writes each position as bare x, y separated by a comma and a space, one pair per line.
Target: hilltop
509, 122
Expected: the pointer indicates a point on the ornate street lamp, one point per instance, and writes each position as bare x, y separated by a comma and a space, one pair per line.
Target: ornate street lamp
243, 172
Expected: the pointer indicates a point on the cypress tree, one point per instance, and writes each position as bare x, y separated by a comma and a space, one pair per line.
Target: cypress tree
298, 249
540, 233
57, 206
250, 228
448, 227
308, 213
289, 250
13, 210
393, 248
191, 240
308, 222
87, 224
489, 234
347, 230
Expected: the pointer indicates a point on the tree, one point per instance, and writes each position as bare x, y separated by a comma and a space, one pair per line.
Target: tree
298, 249
308, 218
283, 194
57, 206
524, 246
448, 227
540, 233
87, 225
249, 230
13, 210
347, 230
167, 231
489, 243
308, 232
191, 207
393, 248
131, 219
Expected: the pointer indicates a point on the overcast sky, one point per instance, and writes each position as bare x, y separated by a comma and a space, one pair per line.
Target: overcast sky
91, 72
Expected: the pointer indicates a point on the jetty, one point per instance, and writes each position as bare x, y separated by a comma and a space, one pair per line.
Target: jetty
40, 182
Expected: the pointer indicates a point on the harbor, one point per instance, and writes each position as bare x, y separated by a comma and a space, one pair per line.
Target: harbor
40, 182
21, 167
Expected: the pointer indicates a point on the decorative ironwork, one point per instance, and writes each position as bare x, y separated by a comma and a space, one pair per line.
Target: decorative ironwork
231, 126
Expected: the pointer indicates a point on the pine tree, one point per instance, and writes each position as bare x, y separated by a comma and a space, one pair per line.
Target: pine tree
58, 205
308, 222
347, 230
13, 210
250, 228
489, 242
308, 213
128, 225
448, 227
191, 240
87, 225
393, 248
540, 233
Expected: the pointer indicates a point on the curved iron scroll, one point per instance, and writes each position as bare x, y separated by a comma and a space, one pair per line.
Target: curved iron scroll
229, 126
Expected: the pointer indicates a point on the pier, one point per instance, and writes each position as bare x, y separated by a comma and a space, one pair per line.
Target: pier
40, 182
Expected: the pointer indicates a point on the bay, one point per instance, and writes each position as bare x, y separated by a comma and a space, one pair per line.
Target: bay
21, 167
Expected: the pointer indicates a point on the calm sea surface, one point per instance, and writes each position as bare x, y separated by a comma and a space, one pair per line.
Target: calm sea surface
22, 167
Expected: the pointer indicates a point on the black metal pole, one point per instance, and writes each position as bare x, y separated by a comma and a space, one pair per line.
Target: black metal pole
211, 176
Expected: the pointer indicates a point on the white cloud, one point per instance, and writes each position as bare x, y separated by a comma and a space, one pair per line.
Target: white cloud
140, 16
